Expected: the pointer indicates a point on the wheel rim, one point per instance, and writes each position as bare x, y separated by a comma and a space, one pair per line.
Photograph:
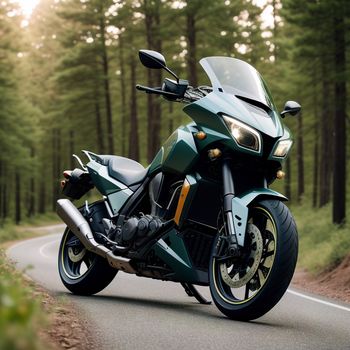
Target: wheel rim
76, 261
239, 282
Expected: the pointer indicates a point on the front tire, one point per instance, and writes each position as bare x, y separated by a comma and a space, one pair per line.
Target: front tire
247, 289
82, 272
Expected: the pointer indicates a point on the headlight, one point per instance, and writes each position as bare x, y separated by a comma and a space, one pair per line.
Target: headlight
244, 135
283, 148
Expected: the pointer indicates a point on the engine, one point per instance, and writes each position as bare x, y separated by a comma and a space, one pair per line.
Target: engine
137, 230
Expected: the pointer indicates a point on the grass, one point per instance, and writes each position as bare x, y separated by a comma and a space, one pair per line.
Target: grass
11, 232
322, 245
20, 314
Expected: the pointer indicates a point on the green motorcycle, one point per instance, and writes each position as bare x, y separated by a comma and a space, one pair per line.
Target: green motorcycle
202, 212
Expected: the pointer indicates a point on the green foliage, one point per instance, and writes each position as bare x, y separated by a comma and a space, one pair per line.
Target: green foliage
20, 314
322, 245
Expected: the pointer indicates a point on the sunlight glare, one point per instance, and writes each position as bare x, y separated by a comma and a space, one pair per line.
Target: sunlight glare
28, 6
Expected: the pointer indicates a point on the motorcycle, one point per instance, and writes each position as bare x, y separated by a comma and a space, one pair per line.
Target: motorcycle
202, 212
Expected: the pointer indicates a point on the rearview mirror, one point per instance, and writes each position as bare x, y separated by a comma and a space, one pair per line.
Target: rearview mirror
291, 107
152, 59
155, 60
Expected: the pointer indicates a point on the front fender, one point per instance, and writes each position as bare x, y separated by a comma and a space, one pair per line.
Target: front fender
240, 209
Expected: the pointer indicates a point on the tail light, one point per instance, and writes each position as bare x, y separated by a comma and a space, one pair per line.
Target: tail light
67, 174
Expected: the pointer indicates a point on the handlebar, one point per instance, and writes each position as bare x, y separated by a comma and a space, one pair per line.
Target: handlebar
157, 91
192, 94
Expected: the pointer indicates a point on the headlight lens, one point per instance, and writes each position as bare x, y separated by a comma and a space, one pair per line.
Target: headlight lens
283, 148
244, 135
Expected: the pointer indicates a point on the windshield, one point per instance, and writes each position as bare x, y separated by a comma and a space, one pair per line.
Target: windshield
237, 77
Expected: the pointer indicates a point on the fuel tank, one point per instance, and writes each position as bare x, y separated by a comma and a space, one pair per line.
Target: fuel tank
178, 154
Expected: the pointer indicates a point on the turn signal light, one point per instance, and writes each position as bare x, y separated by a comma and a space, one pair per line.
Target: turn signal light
200, 135
280, 174
214, 153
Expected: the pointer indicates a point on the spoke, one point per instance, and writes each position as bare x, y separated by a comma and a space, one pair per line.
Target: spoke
267, 254
222, 259
260, 221
87, 262
246, 294
261, 278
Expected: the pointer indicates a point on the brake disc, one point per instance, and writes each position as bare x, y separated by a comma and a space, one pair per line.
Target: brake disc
231, 274
76, 256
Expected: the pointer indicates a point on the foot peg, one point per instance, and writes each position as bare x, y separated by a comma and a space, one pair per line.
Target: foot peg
191, 291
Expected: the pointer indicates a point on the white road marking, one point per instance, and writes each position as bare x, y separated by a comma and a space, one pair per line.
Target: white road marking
25, 241
301, 295
318, 300
44, 246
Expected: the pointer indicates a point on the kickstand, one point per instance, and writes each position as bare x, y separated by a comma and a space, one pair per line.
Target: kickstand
191, 291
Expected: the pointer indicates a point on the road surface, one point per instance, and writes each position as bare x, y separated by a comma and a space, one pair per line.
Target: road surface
140, 313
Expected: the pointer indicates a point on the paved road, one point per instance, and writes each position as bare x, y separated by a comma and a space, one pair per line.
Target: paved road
139, 313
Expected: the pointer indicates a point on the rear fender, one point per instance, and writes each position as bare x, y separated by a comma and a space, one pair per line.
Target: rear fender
240, 209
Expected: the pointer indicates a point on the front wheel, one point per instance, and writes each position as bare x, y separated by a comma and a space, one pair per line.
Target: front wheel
248, 288
82, 272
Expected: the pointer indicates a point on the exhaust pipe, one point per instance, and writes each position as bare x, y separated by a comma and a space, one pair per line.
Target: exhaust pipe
76, 222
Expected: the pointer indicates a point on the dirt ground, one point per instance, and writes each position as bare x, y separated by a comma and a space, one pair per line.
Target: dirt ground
333, 284
66, 328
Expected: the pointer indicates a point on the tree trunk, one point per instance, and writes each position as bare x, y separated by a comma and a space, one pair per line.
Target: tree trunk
107, 93
157, 111
300, 158
56, 166
99, 129
31, 202
315, 171
71, 148
42, 197
325, 151
134, 132
191, 47
149, 19
123, 95
339, 155
2, 187
17, 198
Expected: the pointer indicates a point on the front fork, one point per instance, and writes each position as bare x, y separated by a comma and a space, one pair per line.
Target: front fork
236, 208
228, 196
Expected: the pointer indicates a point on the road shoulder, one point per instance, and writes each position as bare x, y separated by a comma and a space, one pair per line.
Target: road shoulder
65, 325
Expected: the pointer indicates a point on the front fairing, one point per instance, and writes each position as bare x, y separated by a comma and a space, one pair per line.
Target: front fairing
247, 101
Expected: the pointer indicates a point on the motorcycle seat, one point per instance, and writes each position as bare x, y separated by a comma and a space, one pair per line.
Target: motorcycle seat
125, 170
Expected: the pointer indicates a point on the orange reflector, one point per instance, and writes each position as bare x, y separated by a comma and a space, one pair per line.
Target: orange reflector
67, 174
63, 182
200, 135
180, 205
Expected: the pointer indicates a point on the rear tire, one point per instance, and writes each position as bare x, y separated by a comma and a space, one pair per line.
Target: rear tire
276, 264
87, 273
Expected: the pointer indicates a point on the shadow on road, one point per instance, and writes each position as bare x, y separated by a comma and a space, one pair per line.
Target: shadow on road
191, 308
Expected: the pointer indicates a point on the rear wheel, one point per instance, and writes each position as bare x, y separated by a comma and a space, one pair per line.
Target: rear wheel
81, 271
248, 288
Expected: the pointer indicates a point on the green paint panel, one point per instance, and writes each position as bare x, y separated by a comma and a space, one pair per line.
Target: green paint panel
178, 155
171, 249
240, 209
118, 199
103, 182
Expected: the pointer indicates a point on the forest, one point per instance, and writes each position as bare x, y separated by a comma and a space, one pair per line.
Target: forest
68, 74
